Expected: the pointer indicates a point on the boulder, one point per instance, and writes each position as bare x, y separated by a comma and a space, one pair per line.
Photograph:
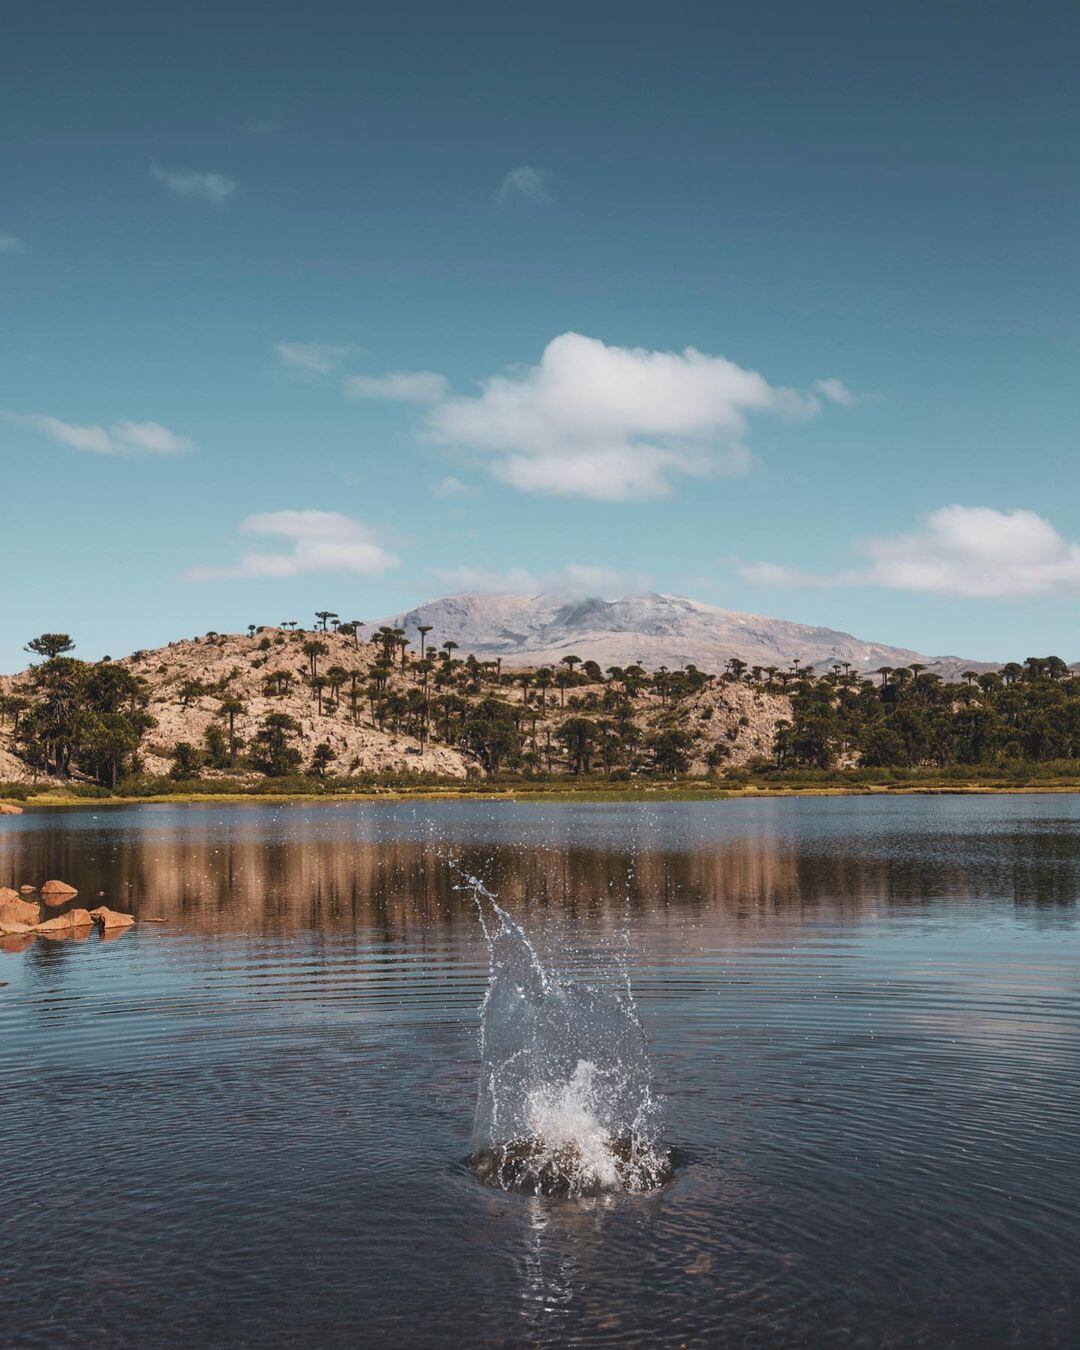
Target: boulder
13, 927
6, 810
7, 894
27, 890
74, 918
111, 918
58, 892
14, 909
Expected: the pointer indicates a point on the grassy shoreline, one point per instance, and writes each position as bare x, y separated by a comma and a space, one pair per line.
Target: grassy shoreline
548, 792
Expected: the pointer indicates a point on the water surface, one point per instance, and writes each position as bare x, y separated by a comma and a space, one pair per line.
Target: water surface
246, 1126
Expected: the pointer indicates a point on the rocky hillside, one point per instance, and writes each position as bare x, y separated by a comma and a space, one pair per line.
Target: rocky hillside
649, 630
190, 683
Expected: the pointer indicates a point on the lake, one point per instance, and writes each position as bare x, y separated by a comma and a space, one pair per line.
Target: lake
247, 1125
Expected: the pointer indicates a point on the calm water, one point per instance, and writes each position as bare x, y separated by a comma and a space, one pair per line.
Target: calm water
246, 1126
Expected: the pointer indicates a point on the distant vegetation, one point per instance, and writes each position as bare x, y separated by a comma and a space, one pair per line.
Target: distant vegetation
89, 722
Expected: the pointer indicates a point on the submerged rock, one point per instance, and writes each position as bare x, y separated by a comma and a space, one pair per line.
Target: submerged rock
111, 918
532, 1167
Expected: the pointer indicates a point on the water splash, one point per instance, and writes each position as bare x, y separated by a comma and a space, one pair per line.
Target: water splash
565, 1105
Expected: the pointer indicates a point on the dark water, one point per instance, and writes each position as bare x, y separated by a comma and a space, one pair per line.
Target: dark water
245, 1126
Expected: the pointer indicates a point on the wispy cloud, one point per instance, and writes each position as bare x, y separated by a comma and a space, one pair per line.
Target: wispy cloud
836, 391
573, 580
11, 243
450, 487
613, 423
311, 358
965, 551
213, 188
120, 438
524, 184
403, 386
317, 541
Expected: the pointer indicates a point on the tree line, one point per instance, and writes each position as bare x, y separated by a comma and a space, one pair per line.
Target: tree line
71, 717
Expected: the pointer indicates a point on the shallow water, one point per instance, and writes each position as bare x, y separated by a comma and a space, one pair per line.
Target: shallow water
248, 1125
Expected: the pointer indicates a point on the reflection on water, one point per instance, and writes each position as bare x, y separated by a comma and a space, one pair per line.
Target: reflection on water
279, 868
246, 1125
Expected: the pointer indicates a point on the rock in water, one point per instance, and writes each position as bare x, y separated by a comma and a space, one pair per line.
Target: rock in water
58, 892
74, 918
111, 918
14, 909
14, 927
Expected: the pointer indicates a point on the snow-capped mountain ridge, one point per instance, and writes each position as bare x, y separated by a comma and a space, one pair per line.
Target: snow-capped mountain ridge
652, 629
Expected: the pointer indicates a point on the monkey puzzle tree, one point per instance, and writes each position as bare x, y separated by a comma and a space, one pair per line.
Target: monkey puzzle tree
50, 645
273, 752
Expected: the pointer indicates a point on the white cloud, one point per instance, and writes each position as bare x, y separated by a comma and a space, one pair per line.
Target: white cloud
450, 487
402, 386
11, 243
835, 391
319, 541
613, 423
574, 580
121, 438
776, 574
524, 184
311, 358
968, 551
214, 188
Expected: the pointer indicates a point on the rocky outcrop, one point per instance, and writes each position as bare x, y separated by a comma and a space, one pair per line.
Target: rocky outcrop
6, 809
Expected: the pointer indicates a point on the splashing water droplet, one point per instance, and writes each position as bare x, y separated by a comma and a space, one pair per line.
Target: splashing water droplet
565, 1105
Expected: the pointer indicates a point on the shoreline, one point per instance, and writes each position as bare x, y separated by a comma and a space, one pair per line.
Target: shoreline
548, 795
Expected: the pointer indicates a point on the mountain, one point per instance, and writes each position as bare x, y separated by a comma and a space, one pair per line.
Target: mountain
652, 630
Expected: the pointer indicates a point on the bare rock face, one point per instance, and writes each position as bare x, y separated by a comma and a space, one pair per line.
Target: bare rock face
58, 893
13, 909
74, 918
111, 918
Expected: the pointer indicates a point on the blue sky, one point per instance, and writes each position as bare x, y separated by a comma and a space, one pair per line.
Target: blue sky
262, 262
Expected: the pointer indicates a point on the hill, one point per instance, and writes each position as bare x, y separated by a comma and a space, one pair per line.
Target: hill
380, 711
